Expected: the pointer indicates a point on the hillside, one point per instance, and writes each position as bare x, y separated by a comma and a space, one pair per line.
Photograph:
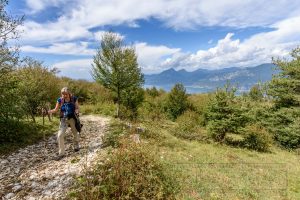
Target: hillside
202, 80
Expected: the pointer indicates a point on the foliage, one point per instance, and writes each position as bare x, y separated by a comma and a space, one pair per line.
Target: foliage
9, 97
116, 68
285, 87
17, 134
188, 126
132, 171
177, 101
284, 124
38, 86
257, 138
153, 92
114, 134
224, 114
153, 107
132, 98
102, 108
256, 93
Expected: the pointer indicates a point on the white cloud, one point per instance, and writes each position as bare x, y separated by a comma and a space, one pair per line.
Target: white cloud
76, 22
48, 33
78, 49
82, 15
77, 69
150, 57
39, 5
229, 52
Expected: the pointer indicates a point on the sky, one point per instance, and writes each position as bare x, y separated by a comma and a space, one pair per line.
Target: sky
179, 34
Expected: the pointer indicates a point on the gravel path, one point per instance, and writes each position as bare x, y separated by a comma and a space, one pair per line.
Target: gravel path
33, 173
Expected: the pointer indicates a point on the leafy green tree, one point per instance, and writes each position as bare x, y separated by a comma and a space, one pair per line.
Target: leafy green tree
9, 97
153, 92
177, 101
285, 87
256, 93
115, 66
224, 114
38, 86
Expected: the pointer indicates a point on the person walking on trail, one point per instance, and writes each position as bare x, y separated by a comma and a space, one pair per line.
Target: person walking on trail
69, 109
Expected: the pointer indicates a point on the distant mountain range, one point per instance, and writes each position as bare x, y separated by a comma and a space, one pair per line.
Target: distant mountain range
203, 80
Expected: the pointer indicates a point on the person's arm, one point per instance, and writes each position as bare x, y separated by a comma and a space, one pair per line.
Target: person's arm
76, 107
55, 109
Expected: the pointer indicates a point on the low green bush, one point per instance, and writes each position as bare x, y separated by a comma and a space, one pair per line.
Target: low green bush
104, 108
130, 172
114, 134
257, 138
17, 134
188, 126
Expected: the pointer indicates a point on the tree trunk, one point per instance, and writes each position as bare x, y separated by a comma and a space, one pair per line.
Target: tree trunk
32, 117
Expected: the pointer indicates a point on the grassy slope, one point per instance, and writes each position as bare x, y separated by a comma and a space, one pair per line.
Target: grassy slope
214, 171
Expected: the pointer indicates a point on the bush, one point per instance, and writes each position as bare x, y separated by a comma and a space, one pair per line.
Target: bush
153, 108
257, 138
177, 101
130, 172
104, 108
289, 136
17, 134
114, 134
224, 114
189, 126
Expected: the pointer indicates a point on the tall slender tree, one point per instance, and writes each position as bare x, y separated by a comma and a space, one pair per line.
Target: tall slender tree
115, 66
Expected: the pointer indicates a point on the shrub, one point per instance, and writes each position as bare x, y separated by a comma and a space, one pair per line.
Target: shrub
224, 114
115, 132
289, 136
177, 101
104, 108
257, 138
189, 126
17, 134
153, 108
130, 172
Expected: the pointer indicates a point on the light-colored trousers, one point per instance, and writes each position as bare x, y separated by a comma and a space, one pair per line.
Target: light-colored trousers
64, 123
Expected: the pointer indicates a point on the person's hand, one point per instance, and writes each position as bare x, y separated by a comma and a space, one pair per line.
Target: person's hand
49, 111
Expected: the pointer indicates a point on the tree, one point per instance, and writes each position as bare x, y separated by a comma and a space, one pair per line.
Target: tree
285, 87
9, 98
38, 86
177, 101
285, 90
224, 114
115, 66
256, 93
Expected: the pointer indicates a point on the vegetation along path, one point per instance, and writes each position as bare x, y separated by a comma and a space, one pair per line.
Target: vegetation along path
33, 173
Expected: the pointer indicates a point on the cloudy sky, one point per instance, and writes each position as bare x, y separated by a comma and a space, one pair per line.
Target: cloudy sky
183, 34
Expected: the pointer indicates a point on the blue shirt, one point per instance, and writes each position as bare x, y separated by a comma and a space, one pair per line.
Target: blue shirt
68, 108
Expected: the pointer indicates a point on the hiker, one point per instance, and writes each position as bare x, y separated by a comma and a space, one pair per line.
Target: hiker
69, 109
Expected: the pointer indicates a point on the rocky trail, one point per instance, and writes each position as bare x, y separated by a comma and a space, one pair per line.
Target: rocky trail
33, 173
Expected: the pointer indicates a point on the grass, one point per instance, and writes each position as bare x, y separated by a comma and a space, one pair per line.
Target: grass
214, 171
29, 133
105, 108
207, 170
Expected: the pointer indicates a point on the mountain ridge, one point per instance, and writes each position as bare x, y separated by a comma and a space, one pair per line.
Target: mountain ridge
204, 80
